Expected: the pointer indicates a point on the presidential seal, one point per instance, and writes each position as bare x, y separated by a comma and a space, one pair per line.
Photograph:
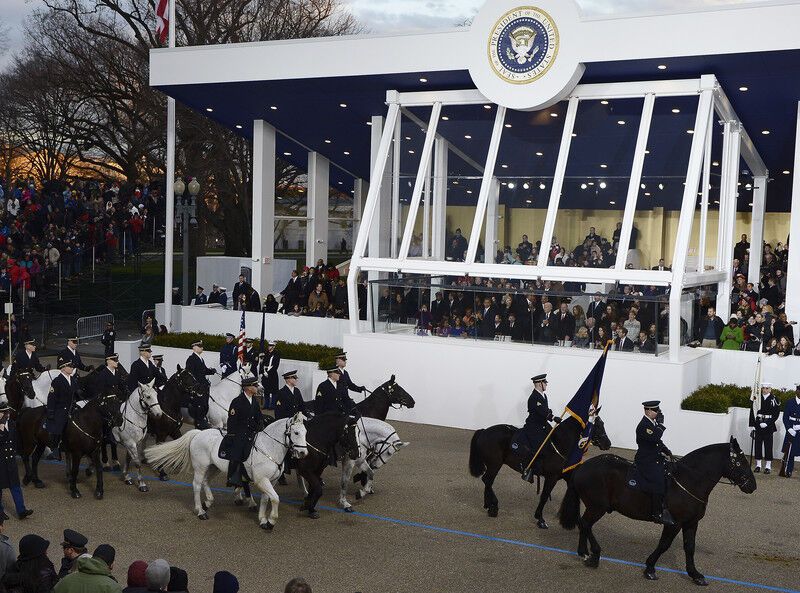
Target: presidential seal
523, 45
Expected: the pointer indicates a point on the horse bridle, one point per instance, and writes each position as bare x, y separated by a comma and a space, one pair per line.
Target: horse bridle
740, 481
76, 425
373, 453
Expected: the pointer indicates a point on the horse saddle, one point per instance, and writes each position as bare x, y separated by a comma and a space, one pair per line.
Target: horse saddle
634, 478
521, 441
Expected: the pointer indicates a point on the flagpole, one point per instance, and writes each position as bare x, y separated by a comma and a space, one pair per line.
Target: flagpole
169, 222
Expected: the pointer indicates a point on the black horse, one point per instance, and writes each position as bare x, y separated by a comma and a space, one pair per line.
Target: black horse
90, 389
179, 389
385, 396
491, 448
19, 386
602, 484
324, 433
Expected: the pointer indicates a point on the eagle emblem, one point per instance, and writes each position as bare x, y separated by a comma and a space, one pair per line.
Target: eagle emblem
522, 50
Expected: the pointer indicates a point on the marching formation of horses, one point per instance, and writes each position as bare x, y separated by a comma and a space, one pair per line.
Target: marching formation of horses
362, 441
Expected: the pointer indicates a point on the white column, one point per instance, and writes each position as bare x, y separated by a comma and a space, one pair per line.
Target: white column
426, 215
793, 278
379, 232
492, 206
705, 191
263, 230
757, 228
396, 210
169, 222
319, 169
439, 214
360, 188
728, 200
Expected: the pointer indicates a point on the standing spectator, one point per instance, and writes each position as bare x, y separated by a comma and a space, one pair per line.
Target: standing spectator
9, 474
32, 572
109, 336
732, 335
741, 248
291, 293
709, 330
7, 553
93, 574
253, 300
318, 302
137, 581
632, 324
239, 289
199, 298
225, 582
565, 324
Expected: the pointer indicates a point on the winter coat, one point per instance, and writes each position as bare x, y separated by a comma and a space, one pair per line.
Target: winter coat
731, 338
92, 576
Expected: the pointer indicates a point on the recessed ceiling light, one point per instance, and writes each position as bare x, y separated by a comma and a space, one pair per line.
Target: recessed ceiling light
643, 186
603, 185
554, 114
487, 106
662, 66
690, 131
647, 193
273, 107
369, 123
647, 152
574, 135
744, 89
527, 201
539, 154
445, 118
591, 183
765, 132
347, 153
750, 204
715, 163
340, 183
511, 185
469, 191
621, 122
542, 186
504, 166
716, 201
343, 105
612, 203
209, 109
676, 110
238, 126
508, 125
526, 185
327, 141
410, 152
604, 102
583, 186
660, 186
604, 166
468, 137
455, 182
787, 172
408, 137
287, 154
423, 80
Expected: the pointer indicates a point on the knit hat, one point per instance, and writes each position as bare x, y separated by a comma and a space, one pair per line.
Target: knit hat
157, 574
136, 574
106, 553
178, 579
225, 582
32, 546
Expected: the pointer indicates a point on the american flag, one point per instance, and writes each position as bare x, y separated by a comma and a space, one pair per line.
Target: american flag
240, 350
162, 20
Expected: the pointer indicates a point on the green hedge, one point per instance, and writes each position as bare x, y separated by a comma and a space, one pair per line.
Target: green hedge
718, 398
323, 355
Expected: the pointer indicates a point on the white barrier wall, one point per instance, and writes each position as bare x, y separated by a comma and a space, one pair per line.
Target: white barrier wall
310, 330
734, 366
475, 385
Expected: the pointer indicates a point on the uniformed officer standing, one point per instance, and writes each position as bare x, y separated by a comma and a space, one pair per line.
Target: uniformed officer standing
227, 355
74, 546
161, 372
9, 474
791, 421
651, 460
536, 427
268, 371
198, 406
28, 359
345, 383
244, 422
71, 353
142, 369
59, 401
109, 335
250, 354
289, 400
763, 422
329, 397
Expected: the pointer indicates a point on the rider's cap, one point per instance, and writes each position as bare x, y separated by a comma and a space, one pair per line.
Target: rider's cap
145, 348
158, 357
199, 344
229, 335
651, 405
290, 374
249, 340
32, 342
114, 356
250, 382
766, 384
272, 343
200, 288
64, 362
334, 370
542, 377
73, 539
72, 339
341, 355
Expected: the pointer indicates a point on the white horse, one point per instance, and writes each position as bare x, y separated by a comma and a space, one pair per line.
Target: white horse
199, 448
378, 442
223, 393
142, 401
41, 387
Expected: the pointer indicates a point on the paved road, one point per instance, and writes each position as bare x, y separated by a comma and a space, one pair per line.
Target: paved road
424, 530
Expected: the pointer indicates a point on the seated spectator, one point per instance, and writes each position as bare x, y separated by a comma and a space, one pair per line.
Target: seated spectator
632, 324
457, 330
270, 304
784, 347
623, 343
602, 337
645, 343
32, 572
732, 335
225, 582
424, 318
317, 302
157, 575
771, 347
581, 339
93, 574
296, 311
137, 581
199, 298
178, 580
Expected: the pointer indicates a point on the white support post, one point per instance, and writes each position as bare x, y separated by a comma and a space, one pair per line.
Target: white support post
359, 187
439, 218
419, 184
701, 254
486, 186
757, 228
263, 230
727, 222
396, 211
169, 220
318, 192
693, 174
490, 250
426, 214
793, 279
558, 181
636, 179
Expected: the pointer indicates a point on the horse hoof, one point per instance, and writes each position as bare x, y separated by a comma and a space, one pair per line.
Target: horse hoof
144, 488
75, 494
163, 477
650, 575
267, 526
203, 506
358, 496
313, 514
493, 511
98, 495
203, 516
700, 581
128, 482
89, 472
38, 484
238, 501
592, 561
542, 524
348, 510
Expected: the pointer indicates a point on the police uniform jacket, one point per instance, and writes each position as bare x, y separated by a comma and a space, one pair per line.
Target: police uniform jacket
539, 412
251, 357
346, 384
161, 377
768, 414
269, 368
649, 457
227, 355
23, 361
105, 381
329, 399
141, 372
67, 354
288, 403
197, 367
108, 340
9, 475
244, 421
791, 416
59, 401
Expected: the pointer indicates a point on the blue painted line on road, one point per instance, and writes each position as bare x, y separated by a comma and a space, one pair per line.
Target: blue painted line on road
489, 538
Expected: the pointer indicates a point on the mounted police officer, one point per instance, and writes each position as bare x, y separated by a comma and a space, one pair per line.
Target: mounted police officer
62, 395
345, 383
71, 353
537, 425
227, 356
161, 372
651, 460
142, 369
27, 359
791, 443
9, 474
198, 406
268, 371
763, 420
329, 397
244, 422
109, 377
289, 400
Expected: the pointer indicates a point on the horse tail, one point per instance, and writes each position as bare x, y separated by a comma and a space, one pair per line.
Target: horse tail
173, 457
570, 511
476, 464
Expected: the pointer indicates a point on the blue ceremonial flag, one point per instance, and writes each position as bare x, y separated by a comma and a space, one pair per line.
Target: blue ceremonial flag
582, 406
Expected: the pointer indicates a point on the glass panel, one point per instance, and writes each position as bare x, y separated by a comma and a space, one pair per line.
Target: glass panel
340, 225
412, 140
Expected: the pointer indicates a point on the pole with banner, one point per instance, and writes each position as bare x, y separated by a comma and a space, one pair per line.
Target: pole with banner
165, 29
9, 313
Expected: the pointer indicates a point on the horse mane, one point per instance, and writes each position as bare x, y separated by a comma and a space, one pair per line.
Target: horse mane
702, 452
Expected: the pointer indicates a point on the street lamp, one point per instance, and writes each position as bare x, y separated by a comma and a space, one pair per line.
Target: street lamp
185, 215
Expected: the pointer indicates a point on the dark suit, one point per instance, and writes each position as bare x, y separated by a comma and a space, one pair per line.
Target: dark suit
595, 309
244, 422
648, 346
141, 372
23, 361
289, 402
254, 302
565, 326
650, 456
623, 344
199, 299
59, 402
329, 398
768, 414
515, 330
536, 424
269, 371
291, 293
239, 288
547, 329
440, 310
197, 367
67, 354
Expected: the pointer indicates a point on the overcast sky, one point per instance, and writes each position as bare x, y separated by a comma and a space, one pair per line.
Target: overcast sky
381, 16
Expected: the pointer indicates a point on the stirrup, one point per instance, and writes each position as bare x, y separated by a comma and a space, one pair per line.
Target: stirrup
528, 473
665, 518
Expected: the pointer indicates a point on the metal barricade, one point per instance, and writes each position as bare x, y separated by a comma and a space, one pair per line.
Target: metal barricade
92, 327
